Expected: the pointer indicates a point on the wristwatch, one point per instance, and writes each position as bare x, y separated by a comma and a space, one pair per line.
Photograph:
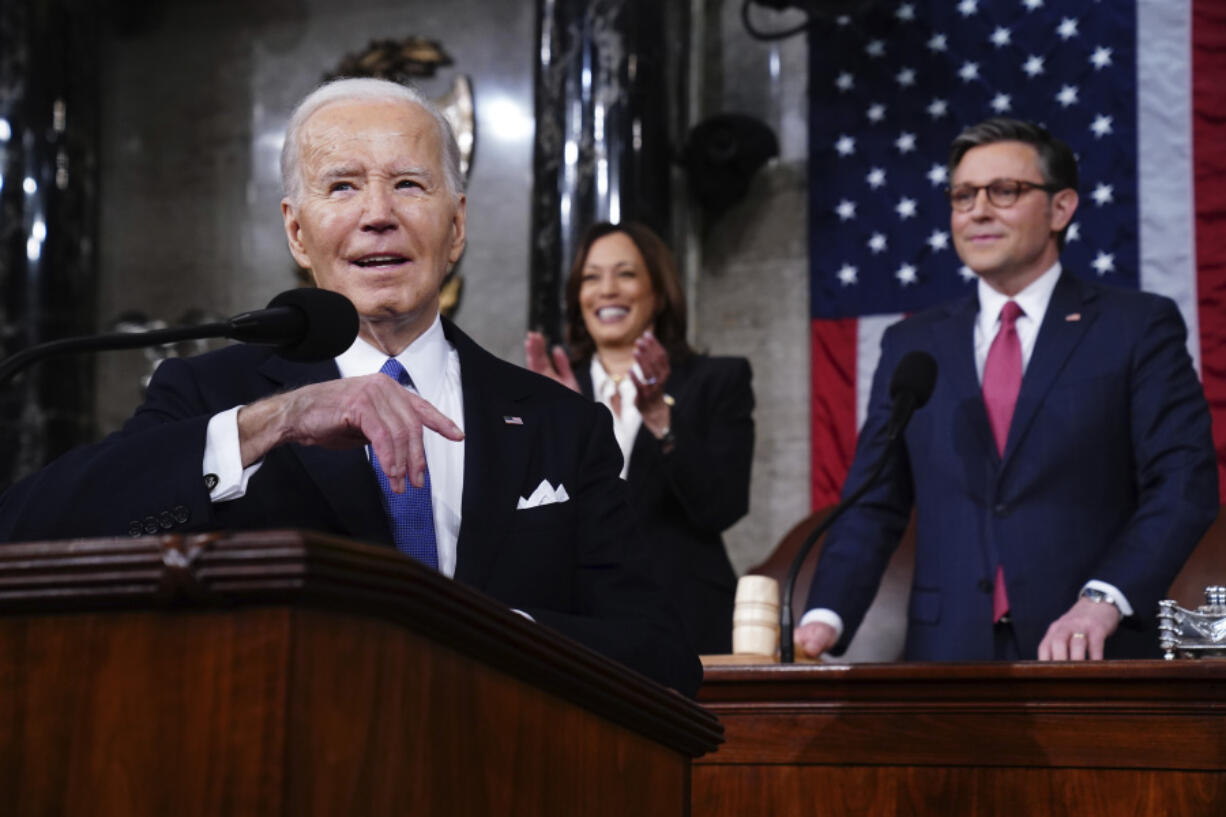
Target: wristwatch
668, 440
1099, 597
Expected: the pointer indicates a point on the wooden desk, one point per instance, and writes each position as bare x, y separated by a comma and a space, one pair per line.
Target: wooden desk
1117, 738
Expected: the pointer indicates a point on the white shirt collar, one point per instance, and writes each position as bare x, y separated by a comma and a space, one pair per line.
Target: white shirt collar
602, 385
1033, 300
425, 359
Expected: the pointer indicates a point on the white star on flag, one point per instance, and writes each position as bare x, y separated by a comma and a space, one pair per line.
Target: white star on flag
1073, 232
1101, 57
905, 77
847, 275
845, 82
906, 12
877, 243
1067, 95
1031, 5
906, 274
1103, 194
875, 178
905, 208
875, 49
846, 210
938, 108
966, 272
968, 7
1001, 103
938, 42
969, 71
1101, 126
876, 112
846, 145
939, 174
1001, 37
905, 142
939, 240
1033, 66
1104, 263
1067, 29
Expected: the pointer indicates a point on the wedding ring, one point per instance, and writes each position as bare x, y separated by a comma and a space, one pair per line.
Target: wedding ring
1079, 635
651, 381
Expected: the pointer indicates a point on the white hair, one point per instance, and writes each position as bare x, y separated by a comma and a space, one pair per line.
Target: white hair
357, 90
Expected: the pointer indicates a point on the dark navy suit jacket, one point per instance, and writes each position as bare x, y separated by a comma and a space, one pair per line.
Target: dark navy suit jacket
1109, 473
687, 498
577, 566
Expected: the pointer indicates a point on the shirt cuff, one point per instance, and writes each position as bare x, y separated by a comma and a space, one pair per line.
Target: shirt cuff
825, 616
1121, 601
224, 474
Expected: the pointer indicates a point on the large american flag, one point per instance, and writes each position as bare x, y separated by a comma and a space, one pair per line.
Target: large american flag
1134, 86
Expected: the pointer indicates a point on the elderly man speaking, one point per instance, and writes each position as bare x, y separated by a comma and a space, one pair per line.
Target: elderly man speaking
413, 437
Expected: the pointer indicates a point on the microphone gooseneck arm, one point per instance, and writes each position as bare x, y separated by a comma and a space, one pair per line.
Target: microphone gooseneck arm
786, 646
114, 340
910, 387
305, 325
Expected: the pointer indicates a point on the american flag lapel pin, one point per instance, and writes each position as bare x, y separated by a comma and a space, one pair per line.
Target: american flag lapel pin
1073, 317
512, 420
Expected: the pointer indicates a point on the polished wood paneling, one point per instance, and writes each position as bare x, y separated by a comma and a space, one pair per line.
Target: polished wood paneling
1110, 738
277, 674
926, 791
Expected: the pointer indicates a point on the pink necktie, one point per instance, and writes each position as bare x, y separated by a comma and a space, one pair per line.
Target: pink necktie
1002, 380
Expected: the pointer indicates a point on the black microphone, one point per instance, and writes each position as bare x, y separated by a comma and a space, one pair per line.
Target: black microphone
914, 378
304, 324
911, 386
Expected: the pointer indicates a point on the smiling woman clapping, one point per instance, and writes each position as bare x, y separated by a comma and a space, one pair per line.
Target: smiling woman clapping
684, 420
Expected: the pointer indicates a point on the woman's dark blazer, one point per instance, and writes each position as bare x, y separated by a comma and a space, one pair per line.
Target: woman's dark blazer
688, 497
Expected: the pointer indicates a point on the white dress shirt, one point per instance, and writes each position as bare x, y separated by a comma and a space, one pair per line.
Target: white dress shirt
434, 365
1033, 300
627, 423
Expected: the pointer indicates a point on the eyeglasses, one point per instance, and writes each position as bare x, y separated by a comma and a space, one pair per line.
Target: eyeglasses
1001, 193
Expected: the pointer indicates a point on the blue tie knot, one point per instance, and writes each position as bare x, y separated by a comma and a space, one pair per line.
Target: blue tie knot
395, 371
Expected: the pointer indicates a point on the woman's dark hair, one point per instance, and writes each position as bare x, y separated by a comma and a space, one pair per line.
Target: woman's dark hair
669, 318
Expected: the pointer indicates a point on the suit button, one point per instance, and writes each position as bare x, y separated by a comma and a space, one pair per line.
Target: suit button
985, 585
1001, 509
134, 528
166, 520
151, 524
181, 513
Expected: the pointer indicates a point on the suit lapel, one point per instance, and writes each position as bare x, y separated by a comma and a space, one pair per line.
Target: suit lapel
343, 477
958, 346
495, 458
1057, 338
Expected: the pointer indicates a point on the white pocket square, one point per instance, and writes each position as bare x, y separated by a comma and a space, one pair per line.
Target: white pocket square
545, 494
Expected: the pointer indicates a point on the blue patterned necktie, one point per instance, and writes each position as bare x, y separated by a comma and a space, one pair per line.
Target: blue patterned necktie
411, 514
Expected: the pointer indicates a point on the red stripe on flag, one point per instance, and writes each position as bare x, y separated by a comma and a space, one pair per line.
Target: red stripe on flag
833, 406
1209, 169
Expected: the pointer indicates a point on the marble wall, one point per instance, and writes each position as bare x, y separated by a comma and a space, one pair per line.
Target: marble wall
751, 266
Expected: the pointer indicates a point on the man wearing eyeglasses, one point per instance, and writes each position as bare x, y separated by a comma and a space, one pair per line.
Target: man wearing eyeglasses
1062, 471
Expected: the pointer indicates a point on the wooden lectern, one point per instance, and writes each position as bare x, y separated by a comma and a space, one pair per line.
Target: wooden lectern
1081, 739
285, 673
